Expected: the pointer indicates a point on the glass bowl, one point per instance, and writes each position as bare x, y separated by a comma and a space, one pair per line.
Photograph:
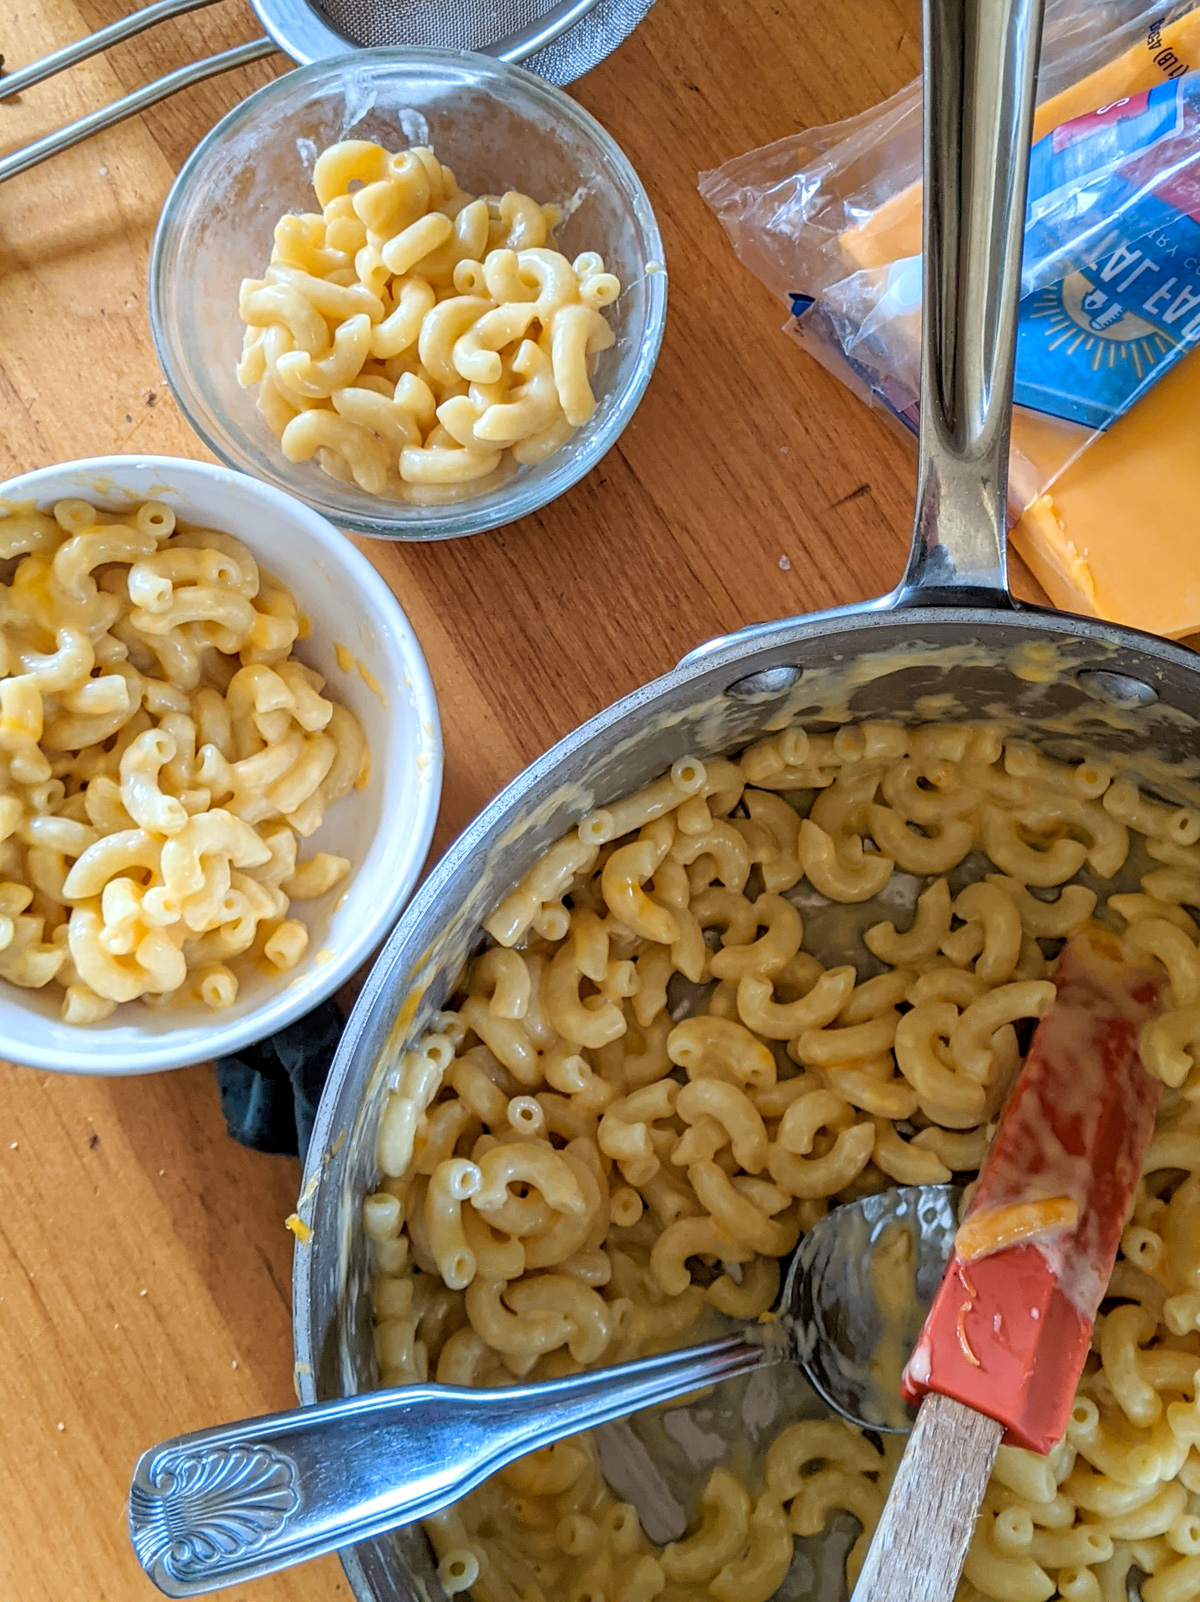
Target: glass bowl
499, 128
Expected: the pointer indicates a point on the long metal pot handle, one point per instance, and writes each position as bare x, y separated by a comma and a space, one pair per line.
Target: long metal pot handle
982, 55
311, 42
978, 129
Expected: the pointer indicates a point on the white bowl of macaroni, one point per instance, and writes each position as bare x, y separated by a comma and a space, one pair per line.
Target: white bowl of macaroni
421, 289
220, 763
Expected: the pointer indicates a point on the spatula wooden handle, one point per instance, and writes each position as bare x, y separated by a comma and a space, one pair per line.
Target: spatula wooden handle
921, 1541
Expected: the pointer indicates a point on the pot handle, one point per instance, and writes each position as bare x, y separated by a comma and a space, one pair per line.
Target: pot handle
978, 127
982, 54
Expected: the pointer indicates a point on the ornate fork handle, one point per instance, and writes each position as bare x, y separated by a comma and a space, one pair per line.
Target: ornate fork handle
231, 1504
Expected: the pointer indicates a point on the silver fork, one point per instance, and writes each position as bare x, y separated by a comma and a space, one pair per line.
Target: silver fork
293, 27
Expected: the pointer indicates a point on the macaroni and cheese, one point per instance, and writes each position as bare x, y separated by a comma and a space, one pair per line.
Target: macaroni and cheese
418, 341
646, 1089
162, 757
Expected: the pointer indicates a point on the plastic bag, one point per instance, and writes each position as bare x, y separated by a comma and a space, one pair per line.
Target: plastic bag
830, 219
1114, 176
802, 211
1111, 268
788, 206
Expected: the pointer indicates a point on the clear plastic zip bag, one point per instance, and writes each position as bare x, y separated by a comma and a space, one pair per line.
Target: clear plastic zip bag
830, 219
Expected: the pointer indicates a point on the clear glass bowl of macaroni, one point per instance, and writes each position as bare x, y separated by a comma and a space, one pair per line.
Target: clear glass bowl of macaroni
383, 430
209, 706
758, 988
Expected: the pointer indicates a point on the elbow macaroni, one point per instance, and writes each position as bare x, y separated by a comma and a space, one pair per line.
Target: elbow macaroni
580, 1169
161, 755
418, 342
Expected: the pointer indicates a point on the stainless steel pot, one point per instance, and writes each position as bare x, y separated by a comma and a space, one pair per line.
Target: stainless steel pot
949, 641
719, 699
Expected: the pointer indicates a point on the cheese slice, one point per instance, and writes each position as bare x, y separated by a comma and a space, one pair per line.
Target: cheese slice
1117, 533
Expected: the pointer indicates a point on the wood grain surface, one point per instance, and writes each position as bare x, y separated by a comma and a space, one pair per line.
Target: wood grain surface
144, 1266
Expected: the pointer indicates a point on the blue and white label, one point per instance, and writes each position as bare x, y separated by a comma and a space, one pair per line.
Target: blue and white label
1119, 188
1110, 274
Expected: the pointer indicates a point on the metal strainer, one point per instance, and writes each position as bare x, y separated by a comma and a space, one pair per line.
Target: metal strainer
560, 39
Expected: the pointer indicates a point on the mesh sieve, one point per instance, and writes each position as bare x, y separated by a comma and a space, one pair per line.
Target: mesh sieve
314, 30
473, 24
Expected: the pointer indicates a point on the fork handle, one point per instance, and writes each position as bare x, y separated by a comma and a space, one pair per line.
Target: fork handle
233, 1503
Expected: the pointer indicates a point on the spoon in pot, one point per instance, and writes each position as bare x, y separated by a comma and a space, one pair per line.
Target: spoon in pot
242, 1500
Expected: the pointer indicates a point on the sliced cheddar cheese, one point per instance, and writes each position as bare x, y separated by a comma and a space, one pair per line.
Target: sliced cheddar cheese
1117, 535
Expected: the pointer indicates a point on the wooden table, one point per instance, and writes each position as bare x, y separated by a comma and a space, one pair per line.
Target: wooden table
144, 1266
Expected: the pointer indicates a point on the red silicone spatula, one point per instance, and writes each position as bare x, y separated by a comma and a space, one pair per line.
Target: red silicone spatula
1011, 1324
1006, 1338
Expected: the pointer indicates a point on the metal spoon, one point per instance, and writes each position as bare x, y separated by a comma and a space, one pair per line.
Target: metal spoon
233, 1503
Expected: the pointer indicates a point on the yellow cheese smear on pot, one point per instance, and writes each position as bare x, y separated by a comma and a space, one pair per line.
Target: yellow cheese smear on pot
1115, 536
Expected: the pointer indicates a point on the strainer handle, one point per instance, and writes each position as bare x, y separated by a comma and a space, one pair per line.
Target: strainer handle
516, 47
14, 83
542, 32
129, 105
980, 75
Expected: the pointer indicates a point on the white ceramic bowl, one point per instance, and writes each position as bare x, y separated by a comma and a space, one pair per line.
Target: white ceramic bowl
384, 829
